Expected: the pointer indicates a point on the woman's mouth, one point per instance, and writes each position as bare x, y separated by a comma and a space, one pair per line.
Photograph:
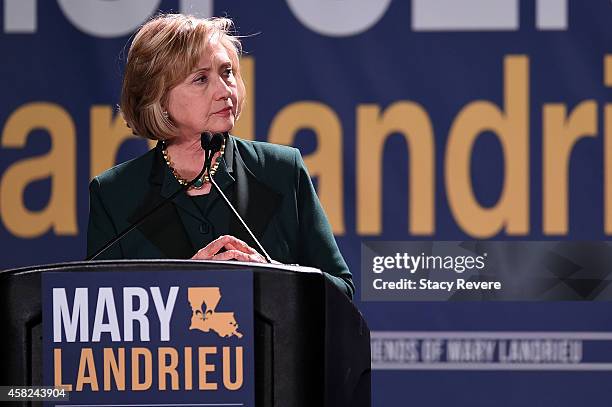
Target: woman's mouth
224, 112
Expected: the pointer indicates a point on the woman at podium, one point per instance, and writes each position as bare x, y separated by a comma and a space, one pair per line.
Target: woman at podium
182, 80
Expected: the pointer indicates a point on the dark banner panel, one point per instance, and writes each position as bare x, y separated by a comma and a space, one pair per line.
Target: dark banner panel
486, 271
419, 120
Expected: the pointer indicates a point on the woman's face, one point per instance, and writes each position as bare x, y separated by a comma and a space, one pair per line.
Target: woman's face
207, 99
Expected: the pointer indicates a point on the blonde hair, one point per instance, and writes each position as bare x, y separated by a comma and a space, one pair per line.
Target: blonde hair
164, 51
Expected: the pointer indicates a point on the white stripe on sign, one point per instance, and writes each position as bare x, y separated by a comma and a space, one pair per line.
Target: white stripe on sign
494, 366
586, 336
465, 15
551, 14
481, 354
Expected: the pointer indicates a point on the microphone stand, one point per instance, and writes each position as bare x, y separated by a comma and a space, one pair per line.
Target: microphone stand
266, 255
211, 148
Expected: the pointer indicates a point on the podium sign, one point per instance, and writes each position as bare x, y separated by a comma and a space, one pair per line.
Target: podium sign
150, 337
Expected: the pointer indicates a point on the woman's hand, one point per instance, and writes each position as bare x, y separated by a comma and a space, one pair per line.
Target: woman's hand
235, 248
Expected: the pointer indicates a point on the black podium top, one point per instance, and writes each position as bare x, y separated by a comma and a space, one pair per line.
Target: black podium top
312, 345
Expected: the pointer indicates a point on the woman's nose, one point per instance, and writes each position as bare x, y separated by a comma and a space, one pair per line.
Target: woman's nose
222, 91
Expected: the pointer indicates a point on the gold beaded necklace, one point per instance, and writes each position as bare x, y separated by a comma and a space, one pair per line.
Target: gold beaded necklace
198, 184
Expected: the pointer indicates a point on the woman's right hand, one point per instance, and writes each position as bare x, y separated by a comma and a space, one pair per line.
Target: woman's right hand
235, 248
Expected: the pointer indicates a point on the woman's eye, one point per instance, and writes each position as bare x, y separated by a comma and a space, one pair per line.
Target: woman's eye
201, 79
228, 72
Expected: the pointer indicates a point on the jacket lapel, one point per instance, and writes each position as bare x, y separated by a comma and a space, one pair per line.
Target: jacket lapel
164, 228
254, 201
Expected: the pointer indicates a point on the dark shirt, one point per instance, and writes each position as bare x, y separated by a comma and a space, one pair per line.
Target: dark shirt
211, 217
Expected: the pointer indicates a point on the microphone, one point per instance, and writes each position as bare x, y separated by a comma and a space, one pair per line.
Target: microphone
144, 217
213, 144
205, 139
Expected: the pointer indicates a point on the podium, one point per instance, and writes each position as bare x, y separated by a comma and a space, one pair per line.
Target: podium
312, 345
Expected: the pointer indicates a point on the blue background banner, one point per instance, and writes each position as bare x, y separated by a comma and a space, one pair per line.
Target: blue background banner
418, 119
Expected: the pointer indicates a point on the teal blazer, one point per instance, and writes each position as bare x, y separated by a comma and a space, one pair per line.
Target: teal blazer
272, 191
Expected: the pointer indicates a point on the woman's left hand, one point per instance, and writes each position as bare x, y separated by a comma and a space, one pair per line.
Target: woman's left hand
236, 249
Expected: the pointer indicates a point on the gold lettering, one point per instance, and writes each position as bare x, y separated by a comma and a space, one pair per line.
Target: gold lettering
148, 369
227, 381
204, 368
168, 369
188, 369
245, 126
57, 370
87, 363
607, 70
373, 129
114, 366
561, 133
512, 129
59, 165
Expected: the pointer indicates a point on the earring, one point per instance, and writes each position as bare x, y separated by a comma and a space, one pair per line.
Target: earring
166, 115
